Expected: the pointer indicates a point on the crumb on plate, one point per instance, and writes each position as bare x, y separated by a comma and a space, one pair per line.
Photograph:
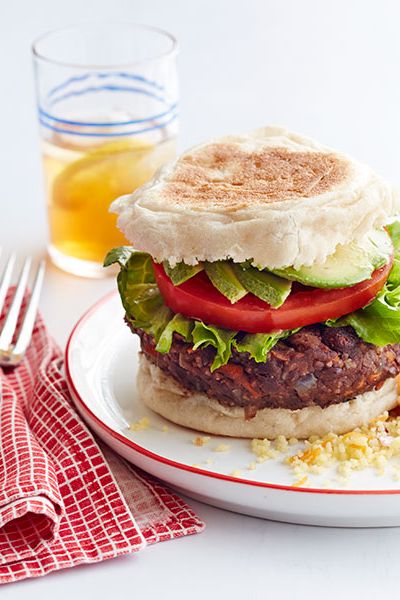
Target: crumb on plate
300, 482
140, 425
236, 473
263, 449
201, 440
222, 448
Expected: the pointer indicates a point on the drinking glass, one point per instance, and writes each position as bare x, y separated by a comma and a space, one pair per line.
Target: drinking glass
107, 103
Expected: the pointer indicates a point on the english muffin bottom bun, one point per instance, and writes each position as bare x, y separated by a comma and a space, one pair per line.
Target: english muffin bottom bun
264, 283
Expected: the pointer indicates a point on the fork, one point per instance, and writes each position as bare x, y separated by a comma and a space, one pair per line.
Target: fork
12, 352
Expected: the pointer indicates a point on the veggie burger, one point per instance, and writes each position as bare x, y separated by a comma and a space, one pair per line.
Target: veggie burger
264, 283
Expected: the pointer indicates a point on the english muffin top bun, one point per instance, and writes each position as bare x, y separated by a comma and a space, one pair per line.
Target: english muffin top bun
272, 196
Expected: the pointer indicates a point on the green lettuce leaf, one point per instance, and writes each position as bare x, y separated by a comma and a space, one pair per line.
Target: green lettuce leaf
119, 255
379, 322
137, 287
258, 345
221, 339
394, 231
178, 324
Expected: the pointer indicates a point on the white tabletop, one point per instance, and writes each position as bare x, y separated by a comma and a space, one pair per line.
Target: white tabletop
330, 70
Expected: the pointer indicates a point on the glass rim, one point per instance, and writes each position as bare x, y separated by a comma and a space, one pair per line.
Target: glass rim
170, 52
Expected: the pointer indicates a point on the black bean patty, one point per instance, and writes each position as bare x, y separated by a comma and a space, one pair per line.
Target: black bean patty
318, 365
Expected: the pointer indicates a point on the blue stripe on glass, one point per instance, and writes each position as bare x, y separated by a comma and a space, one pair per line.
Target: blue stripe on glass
79, 78
46, 115
107, 88
105, 134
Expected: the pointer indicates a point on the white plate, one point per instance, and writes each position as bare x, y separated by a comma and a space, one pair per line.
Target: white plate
101, 362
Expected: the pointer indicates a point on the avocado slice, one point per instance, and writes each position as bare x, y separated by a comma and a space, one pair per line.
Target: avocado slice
181, 272
222, 275
264, 285
348, 265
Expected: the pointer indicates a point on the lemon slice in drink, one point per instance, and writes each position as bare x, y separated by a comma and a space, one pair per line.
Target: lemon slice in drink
103, 174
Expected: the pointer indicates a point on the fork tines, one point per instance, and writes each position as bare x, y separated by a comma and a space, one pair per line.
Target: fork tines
12, 353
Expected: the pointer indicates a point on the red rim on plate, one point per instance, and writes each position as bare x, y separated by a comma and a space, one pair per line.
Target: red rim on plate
162, 459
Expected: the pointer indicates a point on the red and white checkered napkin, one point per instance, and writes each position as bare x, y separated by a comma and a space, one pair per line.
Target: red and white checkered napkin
63, 499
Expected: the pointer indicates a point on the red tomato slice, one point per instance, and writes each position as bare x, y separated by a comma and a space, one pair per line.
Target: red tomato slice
199, 299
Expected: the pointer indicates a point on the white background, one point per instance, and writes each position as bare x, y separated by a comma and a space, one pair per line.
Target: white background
330, 69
